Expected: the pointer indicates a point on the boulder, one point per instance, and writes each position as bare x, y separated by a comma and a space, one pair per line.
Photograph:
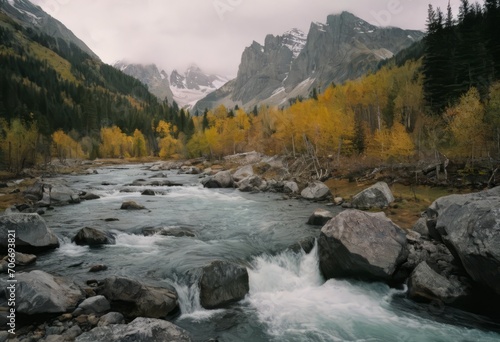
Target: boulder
32, 234
111, 318
135, 299
131, 205
427, 285
320, 217
224, 179
38, 292
469, 226
98, 268
89, 196
92, 305
290, 188
139, 330
361, 245
52, 192
93, 237
316, 191
222, 283
252, 183
24, 259
243, 172
148, 192
421, 226
377, 196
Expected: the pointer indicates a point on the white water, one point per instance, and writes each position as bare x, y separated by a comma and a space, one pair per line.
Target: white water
295, 304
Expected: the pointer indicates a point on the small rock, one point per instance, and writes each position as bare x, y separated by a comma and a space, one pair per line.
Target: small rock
98, 268
65, 317
338, 200
111, 318
82, 320
148, 192
131, 205
97, 304
73, 332
93, 320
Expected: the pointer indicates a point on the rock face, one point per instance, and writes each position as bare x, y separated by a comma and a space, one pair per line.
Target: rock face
376, 196
38, 292
320, 217
425, 284
139, 330
361, 245
291, 65
93, 237
134, 299
32, 234
469, 225
316, 191
222, 283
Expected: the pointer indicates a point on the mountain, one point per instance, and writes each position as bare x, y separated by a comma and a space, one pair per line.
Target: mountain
56, 85
156, 80
292, 65
193, 85
31, 16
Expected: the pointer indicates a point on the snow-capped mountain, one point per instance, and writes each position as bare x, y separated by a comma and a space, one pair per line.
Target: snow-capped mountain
29, 15
185, 89
156, 80
291, 65
193, 84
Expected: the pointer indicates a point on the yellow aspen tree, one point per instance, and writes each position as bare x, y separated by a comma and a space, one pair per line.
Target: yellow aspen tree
63, 146
140, 148
466, 124
169, 146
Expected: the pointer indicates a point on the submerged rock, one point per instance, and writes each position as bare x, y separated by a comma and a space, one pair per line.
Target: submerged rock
131, 205
356, 244
320, 217
93, 237
32, 233
135, 299
377, 196
222, 283
139, 330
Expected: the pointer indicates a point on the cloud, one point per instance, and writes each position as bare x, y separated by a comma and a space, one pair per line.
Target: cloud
211, 33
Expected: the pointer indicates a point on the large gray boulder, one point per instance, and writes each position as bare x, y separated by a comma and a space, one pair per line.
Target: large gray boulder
243, 172
139, 330
52, 192
469, 226
357, 244
93, 237
377, 196
134, 299
222, 179
32, 234
316, 191
38, 292
427, 285
222, 283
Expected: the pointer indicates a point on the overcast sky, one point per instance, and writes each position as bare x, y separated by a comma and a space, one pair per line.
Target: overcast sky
211, 33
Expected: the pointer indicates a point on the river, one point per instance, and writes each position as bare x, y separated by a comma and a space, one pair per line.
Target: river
288, 300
